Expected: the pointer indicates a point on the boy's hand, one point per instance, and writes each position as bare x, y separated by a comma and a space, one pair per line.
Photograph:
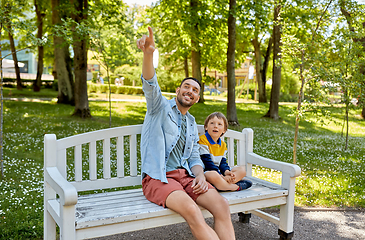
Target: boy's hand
147, 43
229, 176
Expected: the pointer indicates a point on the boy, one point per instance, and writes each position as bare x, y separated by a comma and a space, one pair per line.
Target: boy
213, 151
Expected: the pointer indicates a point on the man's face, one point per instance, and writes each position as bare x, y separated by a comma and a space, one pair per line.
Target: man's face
188, 93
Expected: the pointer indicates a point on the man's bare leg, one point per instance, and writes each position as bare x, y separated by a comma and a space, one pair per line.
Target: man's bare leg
219, 208
180, 202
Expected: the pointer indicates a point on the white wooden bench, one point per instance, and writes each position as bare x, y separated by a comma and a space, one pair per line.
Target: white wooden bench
77, 168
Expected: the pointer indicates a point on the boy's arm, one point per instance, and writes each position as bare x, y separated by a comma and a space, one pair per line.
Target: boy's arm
223, 166
206, 158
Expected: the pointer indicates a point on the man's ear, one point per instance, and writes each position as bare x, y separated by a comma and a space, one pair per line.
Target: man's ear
197, 99
177, 90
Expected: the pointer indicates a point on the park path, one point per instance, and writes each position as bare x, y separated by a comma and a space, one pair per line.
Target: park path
309, 224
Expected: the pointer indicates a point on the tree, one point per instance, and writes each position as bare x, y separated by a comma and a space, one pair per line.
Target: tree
62, 59
186, 31
80, 47
13, 13
276, 75
108, 39
195, 44
256, 18
231, 79
40, 13
356, 24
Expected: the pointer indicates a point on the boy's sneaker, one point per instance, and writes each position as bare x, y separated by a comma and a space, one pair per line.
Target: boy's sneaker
243, 184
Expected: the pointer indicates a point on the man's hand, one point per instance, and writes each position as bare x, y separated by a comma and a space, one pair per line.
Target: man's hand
200, 184
147, 43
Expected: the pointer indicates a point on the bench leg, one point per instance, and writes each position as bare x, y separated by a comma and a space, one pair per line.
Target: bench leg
49, 231
244, 217
67, 228
286, 225
285, 236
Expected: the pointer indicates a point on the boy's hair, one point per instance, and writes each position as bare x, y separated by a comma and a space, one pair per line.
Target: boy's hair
191, 78
219, 115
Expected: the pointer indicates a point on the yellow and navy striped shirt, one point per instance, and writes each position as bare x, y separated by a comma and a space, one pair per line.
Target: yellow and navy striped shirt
213, 154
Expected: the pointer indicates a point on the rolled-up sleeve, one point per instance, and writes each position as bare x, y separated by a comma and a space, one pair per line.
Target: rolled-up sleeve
195, 153
153, 95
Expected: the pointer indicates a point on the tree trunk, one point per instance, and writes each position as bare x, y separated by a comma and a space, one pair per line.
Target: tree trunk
262, 95
195, 49
62, 62
186, 67
362, 42
231, 78
38, 81
15, 59
80, 62
264, 70
276, 75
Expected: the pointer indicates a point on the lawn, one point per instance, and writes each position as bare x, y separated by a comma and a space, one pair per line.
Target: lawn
331, 176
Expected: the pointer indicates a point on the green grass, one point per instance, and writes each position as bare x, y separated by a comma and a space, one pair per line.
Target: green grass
331, 176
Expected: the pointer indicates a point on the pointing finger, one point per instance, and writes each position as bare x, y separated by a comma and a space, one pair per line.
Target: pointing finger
151, 32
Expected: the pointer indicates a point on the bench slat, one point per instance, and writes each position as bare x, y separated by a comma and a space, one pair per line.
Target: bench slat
92, 160
131, 204
120, 156
133, 154
78, 163
61, 162
106, 158
98, 135
230, 148
88, 185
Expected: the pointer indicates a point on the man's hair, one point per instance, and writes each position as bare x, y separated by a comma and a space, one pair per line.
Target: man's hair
191, 78
219, 115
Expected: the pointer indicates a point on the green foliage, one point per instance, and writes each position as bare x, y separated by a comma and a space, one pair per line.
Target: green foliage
104, 88
131, 74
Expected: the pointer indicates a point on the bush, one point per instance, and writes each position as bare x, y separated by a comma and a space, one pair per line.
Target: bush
104, 88
55, 85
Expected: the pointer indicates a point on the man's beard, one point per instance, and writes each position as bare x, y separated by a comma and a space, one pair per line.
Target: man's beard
181, 102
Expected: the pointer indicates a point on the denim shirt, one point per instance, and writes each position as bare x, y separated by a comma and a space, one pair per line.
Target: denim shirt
161, 131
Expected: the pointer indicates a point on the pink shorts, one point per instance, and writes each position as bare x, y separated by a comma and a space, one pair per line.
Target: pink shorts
157, 191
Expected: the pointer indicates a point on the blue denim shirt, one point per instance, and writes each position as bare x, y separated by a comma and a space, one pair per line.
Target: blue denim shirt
161, 131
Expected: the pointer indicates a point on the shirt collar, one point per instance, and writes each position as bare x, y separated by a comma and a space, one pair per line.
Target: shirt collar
174, 106
211, 141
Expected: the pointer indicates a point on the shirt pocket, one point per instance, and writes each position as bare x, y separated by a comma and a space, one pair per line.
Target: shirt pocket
170, 126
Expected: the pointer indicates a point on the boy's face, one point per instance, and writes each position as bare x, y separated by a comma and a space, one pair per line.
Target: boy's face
215, 128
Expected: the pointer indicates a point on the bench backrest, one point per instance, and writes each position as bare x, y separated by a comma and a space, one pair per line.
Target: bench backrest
110, 158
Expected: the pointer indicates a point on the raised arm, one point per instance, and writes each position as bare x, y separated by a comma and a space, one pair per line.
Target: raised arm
147, 45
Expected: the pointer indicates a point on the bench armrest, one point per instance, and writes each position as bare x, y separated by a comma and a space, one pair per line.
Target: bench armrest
66, 191
292, 169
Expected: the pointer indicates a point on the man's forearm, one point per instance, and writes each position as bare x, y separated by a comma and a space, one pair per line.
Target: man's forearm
147, 68
197, 170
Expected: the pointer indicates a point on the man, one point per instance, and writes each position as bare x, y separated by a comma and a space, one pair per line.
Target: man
172, 170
